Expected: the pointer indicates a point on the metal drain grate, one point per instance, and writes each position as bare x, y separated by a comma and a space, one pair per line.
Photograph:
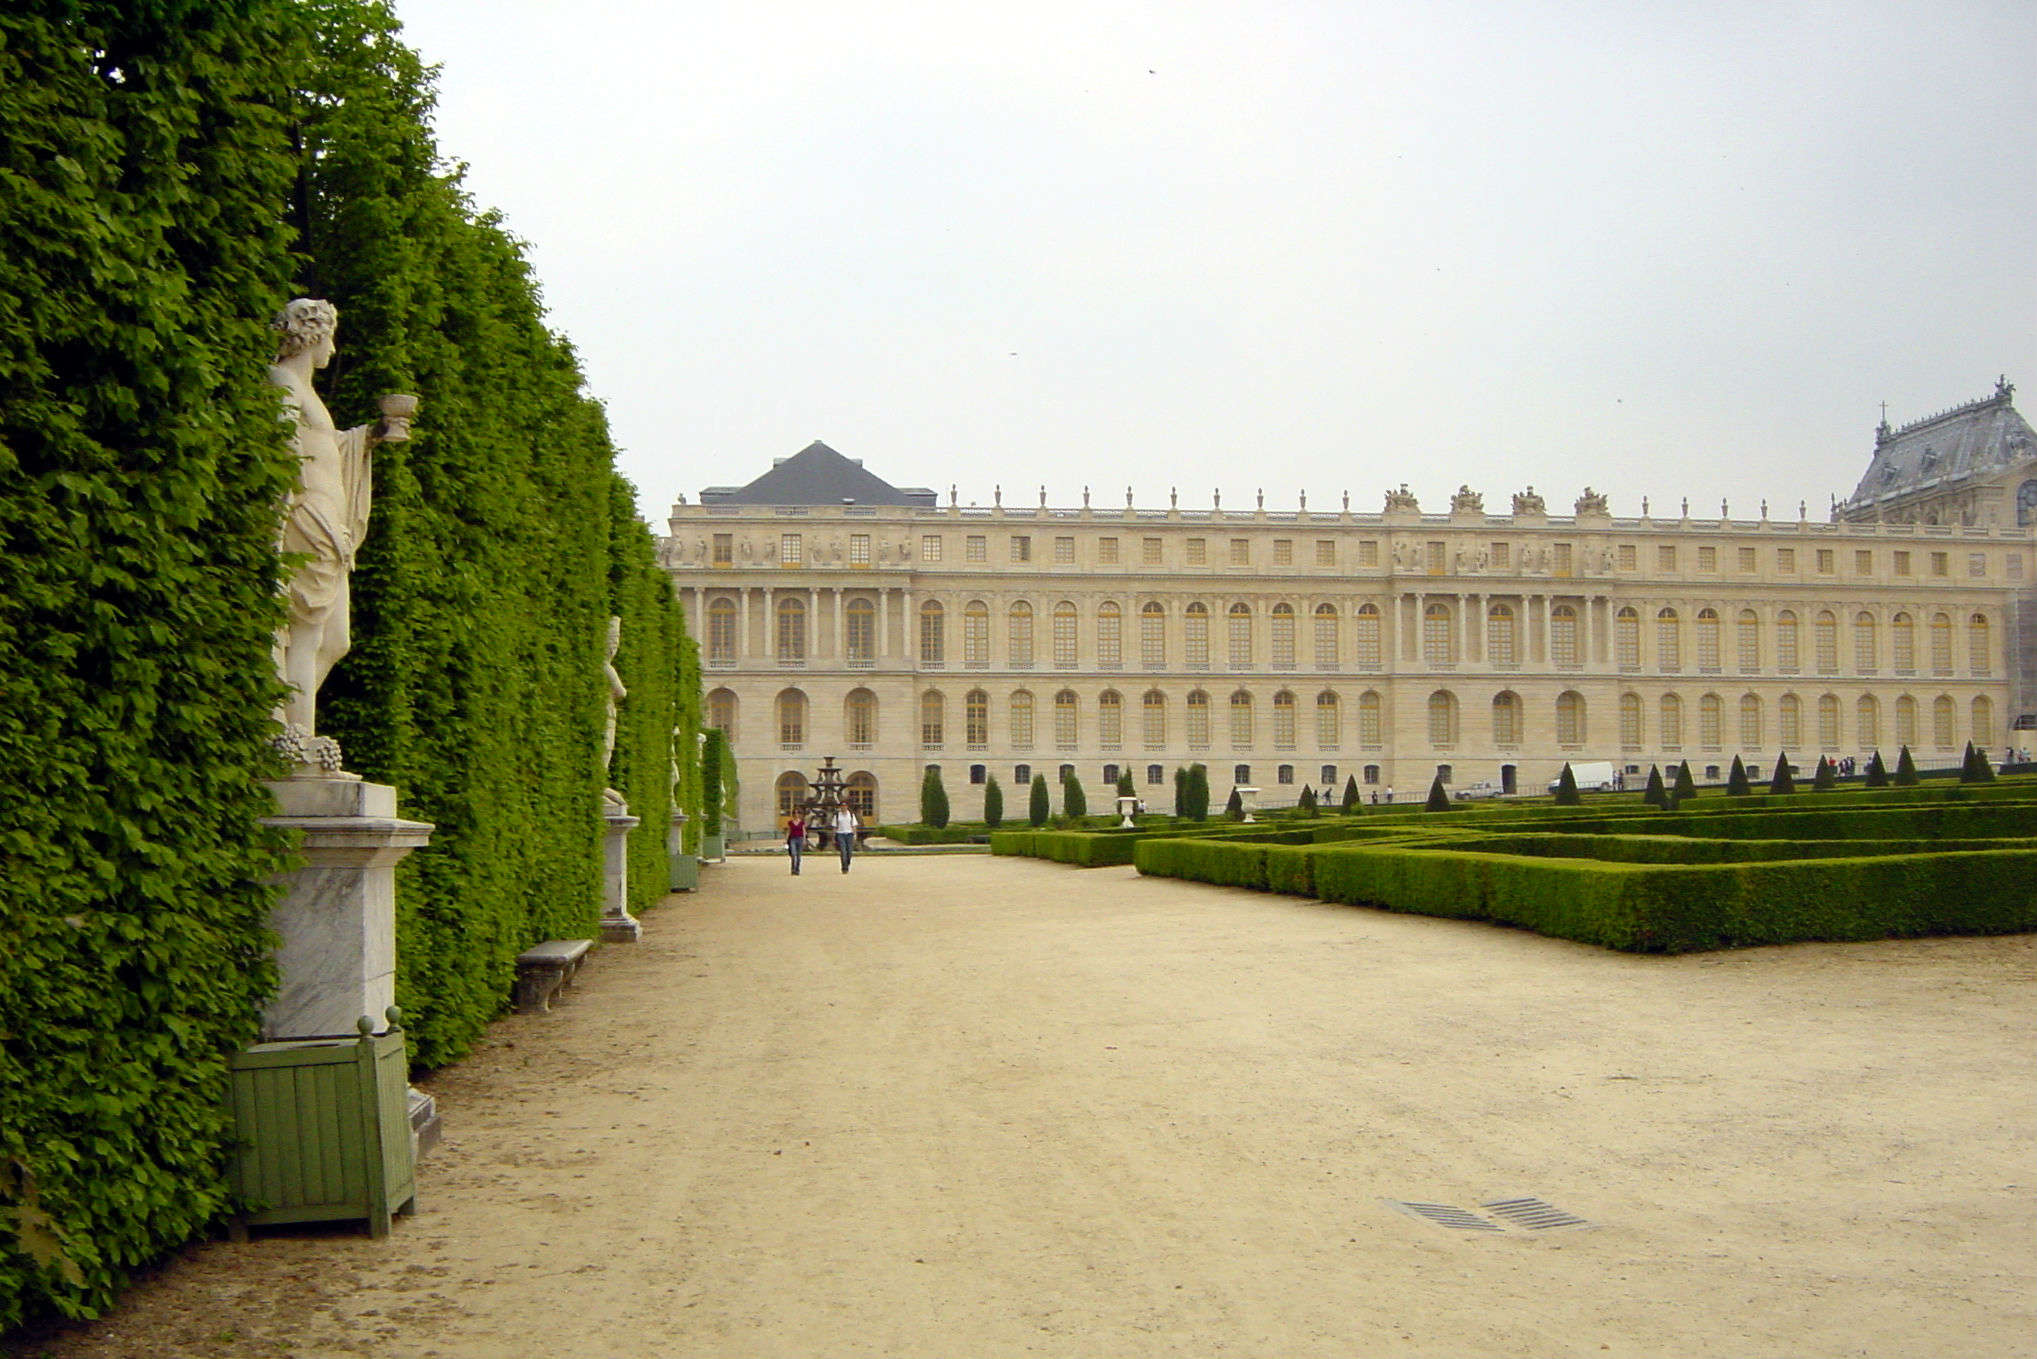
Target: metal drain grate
1534, 1214
1444, 1215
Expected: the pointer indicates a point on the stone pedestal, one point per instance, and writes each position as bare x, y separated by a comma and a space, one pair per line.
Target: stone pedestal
336, 953
618, 926
680, 877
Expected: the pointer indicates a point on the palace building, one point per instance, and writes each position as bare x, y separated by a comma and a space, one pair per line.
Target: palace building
839, 615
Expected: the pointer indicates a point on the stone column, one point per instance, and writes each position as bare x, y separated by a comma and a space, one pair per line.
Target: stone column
769, 650
743, 622
884, 623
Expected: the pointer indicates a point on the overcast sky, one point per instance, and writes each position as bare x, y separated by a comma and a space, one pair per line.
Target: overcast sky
1661, 249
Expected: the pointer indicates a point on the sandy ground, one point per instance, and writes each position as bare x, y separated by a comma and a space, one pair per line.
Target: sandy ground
971, 1106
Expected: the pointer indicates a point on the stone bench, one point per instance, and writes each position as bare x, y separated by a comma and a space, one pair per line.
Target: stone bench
543, 969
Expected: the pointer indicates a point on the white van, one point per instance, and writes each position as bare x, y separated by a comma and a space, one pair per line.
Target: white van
1593, 776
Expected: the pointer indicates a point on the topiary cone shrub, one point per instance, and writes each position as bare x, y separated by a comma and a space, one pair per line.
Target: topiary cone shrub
1782, 782
1906, 769
1198, 792
993, 803
1074, 802
1038, 809
1877, 772
1566, 788
1352, 802
1975, 767
1656, 795
1234, 806
933, 799
1439, 797
1306, 805
1736, 780
1827, 777
1686, 786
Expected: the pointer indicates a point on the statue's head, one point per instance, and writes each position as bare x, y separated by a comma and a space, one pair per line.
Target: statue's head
306, 323
614, 635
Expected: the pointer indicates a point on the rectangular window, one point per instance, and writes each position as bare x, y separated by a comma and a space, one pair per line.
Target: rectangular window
1665, 559
978, 549
1708, 559
724, 549
1863, 562
1563, 559
1198, 551
1629, 557
1828, 561
1021, 548
1976, 564
1368, 553
1149, 551
859, 549
1902, 563
789, 549
930, 547
1283, 552
1241, 552
1746, 558
1107, 551
1786, 560
1502, 554
2015, 564
1438, 558
1326, 552
1064, 552
1941, 564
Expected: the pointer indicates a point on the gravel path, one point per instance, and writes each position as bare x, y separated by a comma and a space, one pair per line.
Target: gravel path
975, 1106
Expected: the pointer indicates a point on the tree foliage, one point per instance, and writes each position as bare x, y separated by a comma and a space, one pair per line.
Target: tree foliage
1038, 807
1566, 788
1439, 796
1074, 802
933, 799
1737, 784
1352, 802
1782, 781
1877, 772
993, 803
1906, 769
1686, 786
1656, 795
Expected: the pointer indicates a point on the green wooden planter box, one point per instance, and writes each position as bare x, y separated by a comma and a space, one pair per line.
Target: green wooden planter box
685, 873
712, 848
324, 1127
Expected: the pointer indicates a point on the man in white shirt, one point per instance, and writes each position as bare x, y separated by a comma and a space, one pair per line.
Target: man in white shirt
845, 833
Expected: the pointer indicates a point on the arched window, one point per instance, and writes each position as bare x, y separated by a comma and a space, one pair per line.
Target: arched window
1195, 636
1630, 721
1627, 639
1943, 732
976, 719
1979, 645
1241, 636
1750, 641
1110, 720
1439, 637
860, 788
1570, 729
1153, 636
931, 618
1153, 708
1283, 636
1064, 636
791, 719
1750, 722
2026, 504
859, 718
1786, 642
1866, 649
1368, 719
1789, 722
1110, 635
1241, 720
1326, 637
1906, 721
933, 718
791, 632
1019, 638
1903, 629
1563, 636
1867, 722
790, 788
1442, 718
1708, 640
1022, 720
1983, 713
1198, 720
1828, 722
1506, 719
1502, 648
1671, 722
1941, 644
1067, 720
1283, 720
721, 631
1668, 641
976, 634
721, 712
1711, 721
1827, 642
860, 620
1329, 724
1367, 629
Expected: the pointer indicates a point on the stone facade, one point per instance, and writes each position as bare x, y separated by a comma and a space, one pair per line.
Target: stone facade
1283, 648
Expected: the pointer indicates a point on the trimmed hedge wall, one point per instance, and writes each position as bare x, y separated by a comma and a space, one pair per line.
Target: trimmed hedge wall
954, 833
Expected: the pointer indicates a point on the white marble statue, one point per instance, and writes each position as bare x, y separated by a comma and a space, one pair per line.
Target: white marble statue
616, 694
327, 518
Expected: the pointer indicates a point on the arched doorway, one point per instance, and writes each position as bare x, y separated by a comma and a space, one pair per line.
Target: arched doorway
861, 791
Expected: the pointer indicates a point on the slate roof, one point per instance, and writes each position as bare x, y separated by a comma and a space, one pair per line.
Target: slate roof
817, 475
1979, 437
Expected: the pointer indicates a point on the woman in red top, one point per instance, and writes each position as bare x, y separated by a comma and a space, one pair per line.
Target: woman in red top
795, 839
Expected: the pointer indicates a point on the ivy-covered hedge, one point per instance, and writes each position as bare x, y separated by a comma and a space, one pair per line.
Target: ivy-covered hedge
143, 160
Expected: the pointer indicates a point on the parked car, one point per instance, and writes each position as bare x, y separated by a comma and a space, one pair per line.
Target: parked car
1591, 776
1483, 788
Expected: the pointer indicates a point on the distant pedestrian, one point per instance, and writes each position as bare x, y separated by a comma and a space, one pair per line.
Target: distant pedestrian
845, 833
1389, 792
795, 839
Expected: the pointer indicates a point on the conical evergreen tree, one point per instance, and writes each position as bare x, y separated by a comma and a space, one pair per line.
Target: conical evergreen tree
1180, 790
1352, 802
1439, 797
1656, 795
1125, 788
1038, 809
1234, 806
1976, 768
1566, 788
1736, 779
933, 799
1074, 802
1782, 782
993, 803
1877, 772
1306, 803
1827, 777
1906, 769
1686, 786
1196, 808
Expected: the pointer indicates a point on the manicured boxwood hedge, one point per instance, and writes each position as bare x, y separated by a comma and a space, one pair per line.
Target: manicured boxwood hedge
954, 833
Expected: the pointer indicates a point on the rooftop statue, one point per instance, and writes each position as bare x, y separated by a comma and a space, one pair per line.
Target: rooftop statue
1591, 502
1467, 501
1403, 499
1527, 502
326, 521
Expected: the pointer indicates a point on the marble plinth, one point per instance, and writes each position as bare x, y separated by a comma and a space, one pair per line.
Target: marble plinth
336, 921
618, 926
